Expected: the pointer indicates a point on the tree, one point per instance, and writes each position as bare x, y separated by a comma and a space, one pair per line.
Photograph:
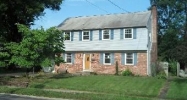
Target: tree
172, 29
23, 12
38, 47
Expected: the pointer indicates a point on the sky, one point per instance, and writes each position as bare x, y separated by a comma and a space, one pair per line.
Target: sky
75, 8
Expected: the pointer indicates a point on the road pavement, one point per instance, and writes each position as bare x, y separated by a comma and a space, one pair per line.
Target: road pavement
4, 96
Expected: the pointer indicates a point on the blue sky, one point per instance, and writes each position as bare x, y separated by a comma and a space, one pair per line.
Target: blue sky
74, 8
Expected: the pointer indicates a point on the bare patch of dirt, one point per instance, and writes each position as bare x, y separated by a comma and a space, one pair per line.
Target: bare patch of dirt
164, 90
18, 82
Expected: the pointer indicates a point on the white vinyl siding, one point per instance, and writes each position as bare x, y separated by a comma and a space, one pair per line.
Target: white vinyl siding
139, 43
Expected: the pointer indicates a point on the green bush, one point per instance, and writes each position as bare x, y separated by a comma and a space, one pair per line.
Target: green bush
161, 75
127, 72
173, 67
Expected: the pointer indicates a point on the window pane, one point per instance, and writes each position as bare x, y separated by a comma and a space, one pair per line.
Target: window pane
106, 37
129, 58
86, 36
106, 34
68, 57
129, 61
128, 33
107, 58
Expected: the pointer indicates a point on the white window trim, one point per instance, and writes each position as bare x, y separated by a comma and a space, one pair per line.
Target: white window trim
69, 36
66, 58
131, 33
83, 35
126, 59
103, 34
104, 59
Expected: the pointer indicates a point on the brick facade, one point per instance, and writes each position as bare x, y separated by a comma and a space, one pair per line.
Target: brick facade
139, 69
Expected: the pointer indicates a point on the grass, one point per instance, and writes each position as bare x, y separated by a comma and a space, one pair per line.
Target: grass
134, 86
178, 89
81, 96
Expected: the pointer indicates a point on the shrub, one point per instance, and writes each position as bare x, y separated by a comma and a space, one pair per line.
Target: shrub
173, 67
161, 75
127, 72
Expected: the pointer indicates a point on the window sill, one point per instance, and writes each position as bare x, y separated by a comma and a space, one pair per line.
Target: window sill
85, 40
105, 39
129, 64
107, 64
128, 38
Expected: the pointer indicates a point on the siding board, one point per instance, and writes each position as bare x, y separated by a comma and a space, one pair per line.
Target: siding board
140, 43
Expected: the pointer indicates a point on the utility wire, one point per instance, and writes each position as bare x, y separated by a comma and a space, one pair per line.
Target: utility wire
97, 6
118, 6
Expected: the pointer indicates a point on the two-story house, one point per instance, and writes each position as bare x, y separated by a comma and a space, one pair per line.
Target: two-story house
96, 43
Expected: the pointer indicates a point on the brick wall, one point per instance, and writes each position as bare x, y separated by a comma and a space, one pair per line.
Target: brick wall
154, 35
139, 69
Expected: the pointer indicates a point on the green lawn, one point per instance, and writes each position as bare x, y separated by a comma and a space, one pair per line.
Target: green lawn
132, 86
178, 89
77, 96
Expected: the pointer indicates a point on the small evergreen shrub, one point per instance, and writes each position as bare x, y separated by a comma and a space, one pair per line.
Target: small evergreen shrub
127, 72
161, 75
173, 67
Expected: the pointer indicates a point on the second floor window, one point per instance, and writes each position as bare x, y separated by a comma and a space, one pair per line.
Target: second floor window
128, 34
106, 35
67, 35
86, 35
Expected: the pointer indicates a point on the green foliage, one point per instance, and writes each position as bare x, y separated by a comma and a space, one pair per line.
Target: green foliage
172, 29
24, 12
161, 75
127, 72
173, 67
37, 48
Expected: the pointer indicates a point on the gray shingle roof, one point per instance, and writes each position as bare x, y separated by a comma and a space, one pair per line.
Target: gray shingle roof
138, 19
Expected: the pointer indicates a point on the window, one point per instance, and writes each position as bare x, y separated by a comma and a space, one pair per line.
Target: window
107, 58
128, 34
68, 58
86, 35
129, 58
67, 35
106, 35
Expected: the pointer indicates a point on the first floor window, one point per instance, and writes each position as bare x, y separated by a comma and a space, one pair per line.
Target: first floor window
106, 35
67, 35
107, 58
68, 57
129, 58
128, 34
86, 35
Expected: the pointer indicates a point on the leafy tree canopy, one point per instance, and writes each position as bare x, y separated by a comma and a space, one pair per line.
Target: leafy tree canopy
38, 47
23, 12
172, 29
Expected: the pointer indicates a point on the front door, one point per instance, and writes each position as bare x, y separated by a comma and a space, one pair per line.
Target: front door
87, 62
